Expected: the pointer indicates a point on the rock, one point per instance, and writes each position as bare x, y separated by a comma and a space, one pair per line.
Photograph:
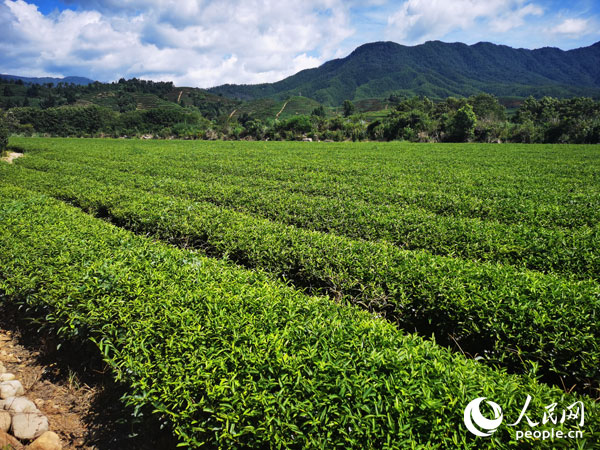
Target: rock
16, 405
47, 441
4, 421
29, 426
11, 389
39, 402
2, 368
7, 442
7, 377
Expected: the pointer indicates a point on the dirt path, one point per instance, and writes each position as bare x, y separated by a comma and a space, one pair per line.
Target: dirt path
11, 156
281, 110
64, 404
80, 399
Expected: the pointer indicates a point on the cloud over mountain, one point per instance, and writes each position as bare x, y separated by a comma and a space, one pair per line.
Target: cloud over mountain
210, 42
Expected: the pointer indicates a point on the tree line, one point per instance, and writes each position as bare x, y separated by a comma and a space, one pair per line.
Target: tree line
479, 118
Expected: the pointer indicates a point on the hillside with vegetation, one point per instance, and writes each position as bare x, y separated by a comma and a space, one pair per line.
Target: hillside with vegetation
121, 96
142, 108
438, 70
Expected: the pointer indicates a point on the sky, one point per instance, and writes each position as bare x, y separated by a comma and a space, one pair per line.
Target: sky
204, 43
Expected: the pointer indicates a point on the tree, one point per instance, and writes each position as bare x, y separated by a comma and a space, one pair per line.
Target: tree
462, 124
348, 108
319, 111
300, 124
255, 128
48, 102
405, 124
71, 97
487, 107
33, 91
3, 133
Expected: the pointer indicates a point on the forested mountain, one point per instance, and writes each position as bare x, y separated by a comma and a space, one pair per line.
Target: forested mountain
438, 70
45, 80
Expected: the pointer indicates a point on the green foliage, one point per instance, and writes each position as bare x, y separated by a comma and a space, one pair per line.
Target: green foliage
487, 107
319, 112
95, 120
559, 121
461, 126
437, 70
66, 121
296, 125
4, 133
348, 108
256, 129
123, 96
487, 309
135, 108
405, 125
232, 359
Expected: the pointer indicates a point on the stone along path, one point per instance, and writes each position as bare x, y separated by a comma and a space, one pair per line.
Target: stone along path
45, 405
21, 421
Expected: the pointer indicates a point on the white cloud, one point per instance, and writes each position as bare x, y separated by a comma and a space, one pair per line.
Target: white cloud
192, 42
514, 18
210, 42
419, 20
575, 27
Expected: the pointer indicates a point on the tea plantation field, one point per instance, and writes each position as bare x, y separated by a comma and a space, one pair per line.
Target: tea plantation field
318, 295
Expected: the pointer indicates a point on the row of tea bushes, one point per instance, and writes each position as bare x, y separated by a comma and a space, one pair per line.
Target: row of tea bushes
563, 251
234, 359
510, 317
538, 185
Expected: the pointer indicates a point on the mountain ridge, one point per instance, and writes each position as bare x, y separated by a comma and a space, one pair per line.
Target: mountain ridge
437, 69
44, 80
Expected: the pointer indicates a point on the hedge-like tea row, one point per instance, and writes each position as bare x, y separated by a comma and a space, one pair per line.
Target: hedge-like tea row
236, 360
542, 186
564, 251
512, 317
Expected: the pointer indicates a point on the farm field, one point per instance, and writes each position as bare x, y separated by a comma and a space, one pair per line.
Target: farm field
285, 295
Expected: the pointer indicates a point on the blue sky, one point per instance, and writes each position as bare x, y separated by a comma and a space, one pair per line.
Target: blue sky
209, 42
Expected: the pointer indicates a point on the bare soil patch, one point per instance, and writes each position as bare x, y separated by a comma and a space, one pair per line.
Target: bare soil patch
10, 156
80, 398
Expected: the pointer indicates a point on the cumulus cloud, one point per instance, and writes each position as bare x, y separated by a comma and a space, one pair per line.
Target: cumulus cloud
210, 42
192, 42
419, 20
573, 27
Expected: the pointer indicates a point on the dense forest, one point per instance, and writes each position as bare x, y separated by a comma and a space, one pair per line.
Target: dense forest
139, 108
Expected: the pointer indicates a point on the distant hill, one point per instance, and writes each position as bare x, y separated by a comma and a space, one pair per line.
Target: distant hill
437, 70
44, 80
145, 95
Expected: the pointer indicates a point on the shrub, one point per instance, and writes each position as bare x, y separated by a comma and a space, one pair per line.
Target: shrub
233, 359
3, 133
461, 127
485, 308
